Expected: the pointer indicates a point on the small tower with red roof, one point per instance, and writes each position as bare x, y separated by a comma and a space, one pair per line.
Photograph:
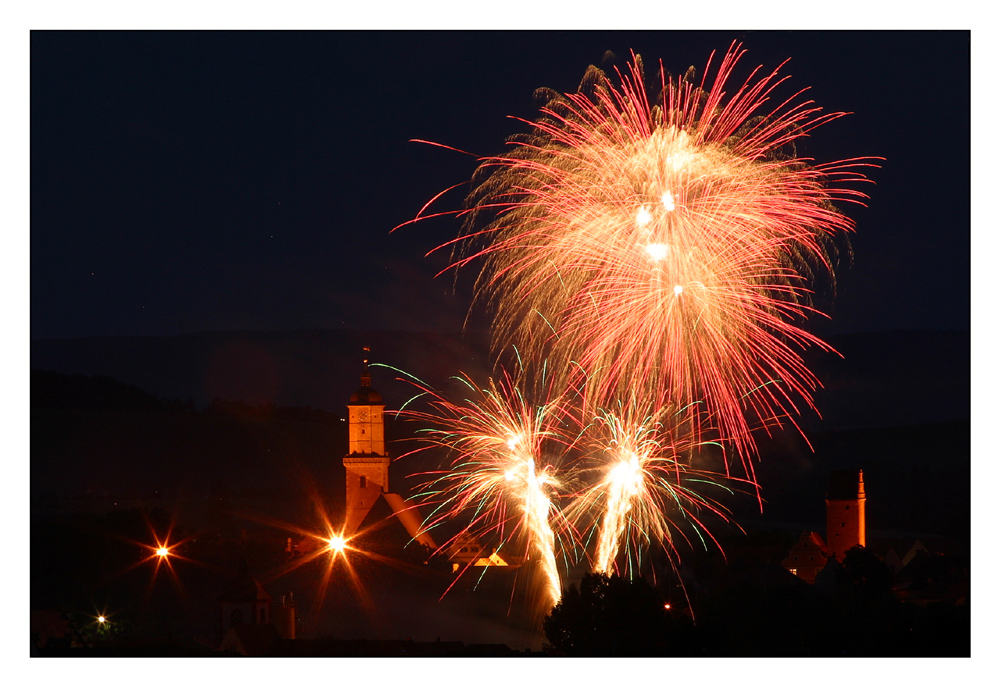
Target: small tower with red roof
845, 512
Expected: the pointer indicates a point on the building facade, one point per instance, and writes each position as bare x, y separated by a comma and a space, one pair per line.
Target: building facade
845, 512
366, 462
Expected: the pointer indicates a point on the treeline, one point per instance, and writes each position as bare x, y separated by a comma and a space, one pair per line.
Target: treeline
761, 614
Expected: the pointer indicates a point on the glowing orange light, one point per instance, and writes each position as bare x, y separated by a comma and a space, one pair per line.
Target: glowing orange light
337, 544
162, 552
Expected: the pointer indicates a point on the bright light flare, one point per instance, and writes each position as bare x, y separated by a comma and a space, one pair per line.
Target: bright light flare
337, 545
164, 554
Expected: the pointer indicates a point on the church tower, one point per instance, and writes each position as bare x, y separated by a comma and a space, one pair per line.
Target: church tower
366, 462
845, 512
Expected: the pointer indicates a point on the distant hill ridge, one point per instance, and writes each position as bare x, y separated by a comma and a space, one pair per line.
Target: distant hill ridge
884, 379
98, 393
317, 368
82, 392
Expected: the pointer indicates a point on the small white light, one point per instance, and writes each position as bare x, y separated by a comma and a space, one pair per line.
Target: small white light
678, 290
643, 217
657, 251
668, 201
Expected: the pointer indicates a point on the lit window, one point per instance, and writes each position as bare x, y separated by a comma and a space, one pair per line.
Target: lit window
794, 571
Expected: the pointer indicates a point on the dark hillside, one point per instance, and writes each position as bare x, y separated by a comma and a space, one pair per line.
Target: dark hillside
317, 368
884, 379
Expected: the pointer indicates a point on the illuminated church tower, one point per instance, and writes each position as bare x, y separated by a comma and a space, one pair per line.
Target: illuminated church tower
366, 462
845, 512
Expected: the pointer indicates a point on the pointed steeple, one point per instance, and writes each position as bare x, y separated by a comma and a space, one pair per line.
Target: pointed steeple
366, 394
366, 377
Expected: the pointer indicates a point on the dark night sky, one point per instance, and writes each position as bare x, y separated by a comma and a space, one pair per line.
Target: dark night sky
201, 181
194, 181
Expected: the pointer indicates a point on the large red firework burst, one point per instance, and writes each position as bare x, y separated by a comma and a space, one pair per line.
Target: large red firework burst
668, 246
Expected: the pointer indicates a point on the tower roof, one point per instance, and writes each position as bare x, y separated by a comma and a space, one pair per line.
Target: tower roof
846, 485
366, 395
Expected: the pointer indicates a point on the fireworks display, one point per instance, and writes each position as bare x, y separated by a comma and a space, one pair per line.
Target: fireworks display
499, 475
644, 490
669, 246
664, 251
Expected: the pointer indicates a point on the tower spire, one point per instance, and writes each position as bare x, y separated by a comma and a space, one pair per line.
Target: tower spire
367, 462
366, 377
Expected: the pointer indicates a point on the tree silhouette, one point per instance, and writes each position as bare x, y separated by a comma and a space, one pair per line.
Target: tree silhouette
609, 616
867, 613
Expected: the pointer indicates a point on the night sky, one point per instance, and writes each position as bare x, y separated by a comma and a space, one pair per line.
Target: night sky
203, 181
